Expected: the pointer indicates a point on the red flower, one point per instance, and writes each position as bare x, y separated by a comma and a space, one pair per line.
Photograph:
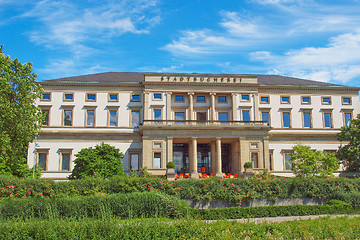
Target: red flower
40, 194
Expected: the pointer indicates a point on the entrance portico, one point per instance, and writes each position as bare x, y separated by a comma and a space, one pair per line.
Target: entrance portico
210, 147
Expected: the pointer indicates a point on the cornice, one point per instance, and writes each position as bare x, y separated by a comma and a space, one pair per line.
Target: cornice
308, 88
202, 84
91, 84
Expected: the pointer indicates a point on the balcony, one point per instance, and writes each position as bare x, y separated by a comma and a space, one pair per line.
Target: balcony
201, 123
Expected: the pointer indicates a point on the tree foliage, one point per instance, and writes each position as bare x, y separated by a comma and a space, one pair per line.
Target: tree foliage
307, 163
102, 161
349, 154
20, 119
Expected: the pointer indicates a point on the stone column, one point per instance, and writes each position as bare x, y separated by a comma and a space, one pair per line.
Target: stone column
147, 157
169, 149
146, 105
234, 157
212, 106
218, 158
213, 157
256, 107
191, 106
234, 107
193, 159
243, 152
266, 153
168, 105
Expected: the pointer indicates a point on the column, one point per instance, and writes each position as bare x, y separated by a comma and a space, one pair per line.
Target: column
146, 105
218, 165
234, 107
191, 106
168, 105
261, 155
213, 157
256, 107
212, 106
147, 157
266, 153
193, 159
234, 157
169, 149
242, 154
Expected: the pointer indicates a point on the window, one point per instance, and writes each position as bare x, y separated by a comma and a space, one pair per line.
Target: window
285, 99
305, 100
326, 100
157, 159
157, 114
200, 98
157, 96
347, 119
65, 160
134, 161
68, 97
135, 118
264, 99
90, 117
265, 116
91, 97
201, 116
245, 115
179, 116
287, 163
113, 97
286, 119
179, 98
255, 159
113, 118
46, 114
136, 97
223, 116
42, 160
245, 97
222, 99
67, 120
46, 97
307, 119
346, 100
327, 120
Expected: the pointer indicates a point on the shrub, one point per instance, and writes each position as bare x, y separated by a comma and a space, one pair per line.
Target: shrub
170, 165
101, 161
248, 165
132, 205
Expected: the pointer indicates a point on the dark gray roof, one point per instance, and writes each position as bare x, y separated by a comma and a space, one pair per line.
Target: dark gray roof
137, 77
107, 77
276, 80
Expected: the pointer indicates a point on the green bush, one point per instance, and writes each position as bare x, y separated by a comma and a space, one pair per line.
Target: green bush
272, 211
132, 205
322, 228
235, 190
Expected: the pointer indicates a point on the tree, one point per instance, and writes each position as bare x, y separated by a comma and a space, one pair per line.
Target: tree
20, 119
103, 161
306, 162
349, 154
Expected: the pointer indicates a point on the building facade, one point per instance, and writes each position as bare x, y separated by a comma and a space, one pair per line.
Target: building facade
204, 123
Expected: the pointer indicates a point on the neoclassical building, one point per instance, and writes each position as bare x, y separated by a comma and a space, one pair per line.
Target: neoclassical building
204, 123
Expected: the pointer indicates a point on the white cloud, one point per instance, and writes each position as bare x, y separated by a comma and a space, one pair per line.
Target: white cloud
339, 60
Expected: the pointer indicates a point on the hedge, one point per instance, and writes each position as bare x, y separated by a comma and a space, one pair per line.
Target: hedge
272, 211
125, 206
322, 228
148, 205
234, 190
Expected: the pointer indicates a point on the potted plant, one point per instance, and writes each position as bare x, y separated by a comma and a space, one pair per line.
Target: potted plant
248, 167
170, 171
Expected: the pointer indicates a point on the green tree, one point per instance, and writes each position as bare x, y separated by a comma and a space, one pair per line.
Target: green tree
20, 119
306, 162
103, 161
349, 154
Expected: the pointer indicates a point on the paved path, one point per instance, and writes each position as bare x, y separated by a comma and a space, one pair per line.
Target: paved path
289, 218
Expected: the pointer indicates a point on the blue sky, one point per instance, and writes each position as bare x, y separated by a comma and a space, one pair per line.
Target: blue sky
318, 40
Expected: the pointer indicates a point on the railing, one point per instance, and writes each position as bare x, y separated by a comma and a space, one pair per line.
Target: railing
204, 123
